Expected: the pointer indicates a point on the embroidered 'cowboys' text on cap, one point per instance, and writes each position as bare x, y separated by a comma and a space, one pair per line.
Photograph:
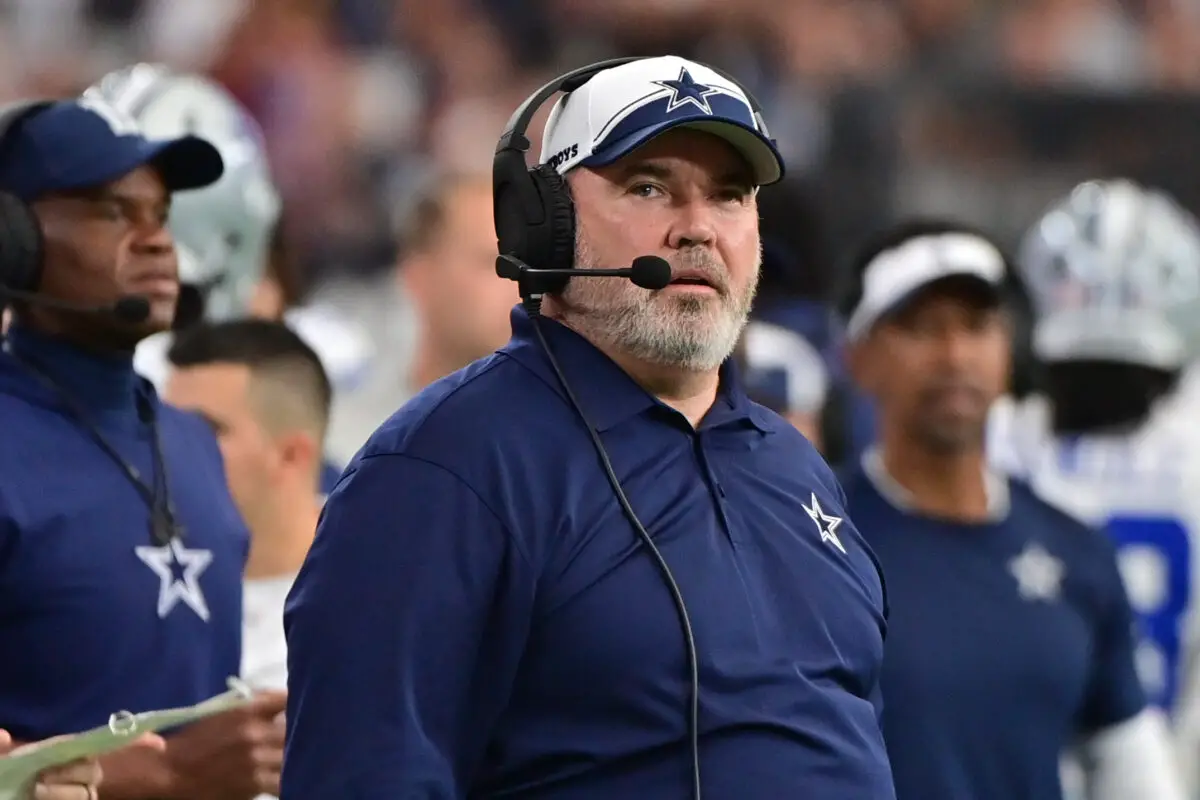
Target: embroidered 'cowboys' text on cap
622, 108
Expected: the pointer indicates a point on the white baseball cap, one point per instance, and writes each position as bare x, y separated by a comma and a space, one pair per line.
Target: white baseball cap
620, 109
895, 276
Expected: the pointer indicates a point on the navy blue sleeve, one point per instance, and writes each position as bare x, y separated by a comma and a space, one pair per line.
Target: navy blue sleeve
329, 476
1115, 692
404, 631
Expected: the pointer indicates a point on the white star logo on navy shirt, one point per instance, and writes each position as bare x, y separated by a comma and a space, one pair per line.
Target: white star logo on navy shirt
684, 90
179, 568
826, 523
1039, 574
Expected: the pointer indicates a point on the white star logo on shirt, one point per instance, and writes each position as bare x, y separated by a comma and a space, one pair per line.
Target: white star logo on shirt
186, 587
826, 524
1039, 575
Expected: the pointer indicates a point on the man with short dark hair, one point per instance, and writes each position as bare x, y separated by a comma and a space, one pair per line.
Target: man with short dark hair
266, 396
1010, 635
121, 552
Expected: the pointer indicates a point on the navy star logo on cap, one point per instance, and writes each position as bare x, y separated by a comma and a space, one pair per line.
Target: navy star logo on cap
685, 90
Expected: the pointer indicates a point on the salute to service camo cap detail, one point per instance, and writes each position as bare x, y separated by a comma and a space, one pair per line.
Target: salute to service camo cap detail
622, 108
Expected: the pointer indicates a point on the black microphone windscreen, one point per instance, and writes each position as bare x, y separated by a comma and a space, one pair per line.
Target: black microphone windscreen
650, 272
508, 267
132, 309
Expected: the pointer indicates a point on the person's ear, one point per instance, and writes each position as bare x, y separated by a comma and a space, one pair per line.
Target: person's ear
297, 452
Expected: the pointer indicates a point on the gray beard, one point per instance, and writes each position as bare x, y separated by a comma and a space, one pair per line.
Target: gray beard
696, 334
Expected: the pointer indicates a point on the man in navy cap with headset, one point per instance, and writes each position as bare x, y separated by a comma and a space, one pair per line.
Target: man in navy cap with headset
121, 552
587, 566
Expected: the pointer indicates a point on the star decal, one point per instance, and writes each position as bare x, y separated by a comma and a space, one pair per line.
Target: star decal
179, 569
827, 524
1039, 575
685, 90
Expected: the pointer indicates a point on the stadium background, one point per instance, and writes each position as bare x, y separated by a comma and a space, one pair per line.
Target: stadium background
982, 109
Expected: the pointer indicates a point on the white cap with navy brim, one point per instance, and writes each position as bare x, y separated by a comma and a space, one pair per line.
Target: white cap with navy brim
622, 108
894, 276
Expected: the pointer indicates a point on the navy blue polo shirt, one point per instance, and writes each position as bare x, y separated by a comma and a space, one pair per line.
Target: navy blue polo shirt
94, 617
1007, 640
328, 477
477, 618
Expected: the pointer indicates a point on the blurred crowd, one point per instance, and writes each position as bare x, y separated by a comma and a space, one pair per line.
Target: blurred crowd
984, 109
359, 98
379, 119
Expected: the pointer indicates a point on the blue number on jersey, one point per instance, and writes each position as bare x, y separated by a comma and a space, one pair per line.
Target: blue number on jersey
1160, 625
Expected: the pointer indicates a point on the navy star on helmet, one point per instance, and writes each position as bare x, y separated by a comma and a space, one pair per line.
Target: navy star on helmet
621, 109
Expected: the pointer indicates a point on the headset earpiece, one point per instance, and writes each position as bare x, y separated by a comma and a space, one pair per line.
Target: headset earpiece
21, 243
533, 210
557, 238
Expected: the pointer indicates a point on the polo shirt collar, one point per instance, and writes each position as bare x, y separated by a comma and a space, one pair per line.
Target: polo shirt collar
607, 394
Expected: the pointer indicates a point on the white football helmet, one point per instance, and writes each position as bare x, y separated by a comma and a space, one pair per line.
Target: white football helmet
1113, 272
225, 229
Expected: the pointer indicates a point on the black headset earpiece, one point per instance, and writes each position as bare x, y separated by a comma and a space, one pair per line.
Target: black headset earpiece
21, 243
533, 210
534, 214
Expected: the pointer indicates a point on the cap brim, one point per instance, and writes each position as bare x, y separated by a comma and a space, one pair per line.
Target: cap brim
759, 151
965, 283
188, 162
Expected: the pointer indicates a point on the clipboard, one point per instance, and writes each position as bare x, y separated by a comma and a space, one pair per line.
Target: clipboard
20, 768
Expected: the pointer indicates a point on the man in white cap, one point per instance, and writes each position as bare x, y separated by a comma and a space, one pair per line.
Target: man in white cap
588, 566
1011, 637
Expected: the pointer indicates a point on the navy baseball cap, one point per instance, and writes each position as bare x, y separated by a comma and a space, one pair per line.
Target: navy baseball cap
622, 108
77, 144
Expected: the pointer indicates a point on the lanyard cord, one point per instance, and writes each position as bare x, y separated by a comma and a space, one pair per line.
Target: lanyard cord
157, 496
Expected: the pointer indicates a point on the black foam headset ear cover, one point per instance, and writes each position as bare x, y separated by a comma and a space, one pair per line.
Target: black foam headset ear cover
21, 244
535, 221
556, 238
533, 211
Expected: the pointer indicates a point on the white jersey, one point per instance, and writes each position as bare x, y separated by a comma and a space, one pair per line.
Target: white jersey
1142, 488
264, 648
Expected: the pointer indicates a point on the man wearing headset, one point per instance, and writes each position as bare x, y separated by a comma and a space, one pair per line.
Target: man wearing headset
588, 566
121, 551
